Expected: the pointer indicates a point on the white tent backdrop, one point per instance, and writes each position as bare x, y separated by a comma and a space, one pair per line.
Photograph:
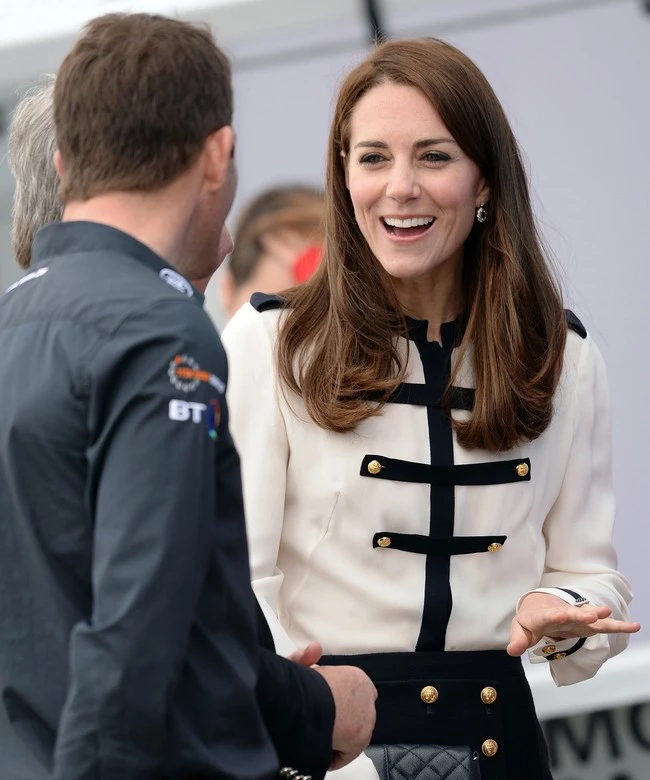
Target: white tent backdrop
573, 77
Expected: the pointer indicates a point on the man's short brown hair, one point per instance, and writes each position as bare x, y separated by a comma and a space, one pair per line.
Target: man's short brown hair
135, 100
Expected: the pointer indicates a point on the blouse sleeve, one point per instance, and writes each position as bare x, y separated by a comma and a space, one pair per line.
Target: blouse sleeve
259, 433
580, 557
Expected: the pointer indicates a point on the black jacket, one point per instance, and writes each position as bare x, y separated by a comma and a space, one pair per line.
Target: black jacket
128, 636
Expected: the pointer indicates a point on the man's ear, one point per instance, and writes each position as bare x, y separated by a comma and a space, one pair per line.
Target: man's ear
217, 153
58, 163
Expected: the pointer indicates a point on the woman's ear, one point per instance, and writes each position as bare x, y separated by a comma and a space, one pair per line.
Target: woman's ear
483, 192
344, 159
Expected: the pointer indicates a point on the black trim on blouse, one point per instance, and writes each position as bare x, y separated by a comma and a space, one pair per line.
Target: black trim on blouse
433, 545
263, 302
562, 654
423, 395
574, 324
499, 472
436, 364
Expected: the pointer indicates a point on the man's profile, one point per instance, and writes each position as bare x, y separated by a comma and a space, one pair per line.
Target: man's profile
128, 644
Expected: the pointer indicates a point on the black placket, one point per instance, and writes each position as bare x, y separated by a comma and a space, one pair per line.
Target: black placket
436, 364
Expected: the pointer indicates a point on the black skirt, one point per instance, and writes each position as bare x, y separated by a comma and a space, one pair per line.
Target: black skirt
479, 698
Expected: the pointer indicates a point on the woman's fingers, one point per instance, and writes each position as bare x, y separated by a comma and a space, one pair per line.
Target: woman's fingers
585, 628
612, 626
530, 625
585, 615
520, 639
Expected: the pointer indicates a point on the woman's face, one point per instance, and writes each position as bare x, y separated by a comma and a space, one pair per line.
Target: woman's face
413, 189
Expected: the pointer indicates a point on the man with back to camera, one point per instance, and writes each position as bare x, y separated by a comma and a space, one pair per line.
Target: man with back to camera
115, 574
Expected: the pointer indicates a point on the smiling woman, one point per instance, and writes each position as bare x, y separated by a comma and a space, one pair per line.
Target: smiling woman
418, 131
424, 431
415, 194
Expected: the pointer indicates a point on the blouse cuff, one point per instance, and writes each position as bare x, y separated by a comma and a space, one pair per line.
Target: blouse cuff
549, 649
570, 596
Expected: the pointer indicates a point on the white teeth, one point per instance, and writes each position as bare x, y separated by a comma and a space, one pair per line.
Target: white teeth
408, 223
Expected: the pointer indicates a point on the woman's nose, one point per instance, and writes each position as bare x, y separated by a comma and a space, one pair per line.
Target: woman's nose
403, 184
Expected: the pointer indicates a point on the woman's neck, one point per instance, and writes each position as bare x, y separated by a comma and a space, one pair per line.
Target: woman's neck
436, 298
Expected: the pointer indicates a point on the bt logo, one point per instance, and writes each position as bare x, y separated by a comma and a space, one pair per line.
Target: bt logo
182, 411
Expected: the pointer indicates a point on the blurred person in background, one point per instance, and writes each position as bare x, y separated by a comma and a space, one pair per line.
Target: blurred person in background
123, 545
30, 154
277, 244
425, 433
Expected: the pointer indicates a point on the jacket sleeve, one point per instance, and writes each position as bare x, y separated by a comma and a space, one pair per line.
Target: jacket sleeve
151, 494
580, 556
260, 435
298, 710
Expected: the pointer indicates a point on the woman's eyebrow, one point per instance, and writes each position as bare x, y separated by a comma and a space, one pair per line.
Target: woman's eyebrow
417, 144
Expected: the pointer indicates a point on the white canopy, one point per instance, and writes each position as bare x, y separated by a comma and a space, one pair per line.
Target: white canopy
31, 21
36, 34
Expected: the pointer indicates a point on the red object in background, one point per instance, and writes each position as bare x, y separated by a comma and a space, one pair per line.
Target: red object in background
306, 263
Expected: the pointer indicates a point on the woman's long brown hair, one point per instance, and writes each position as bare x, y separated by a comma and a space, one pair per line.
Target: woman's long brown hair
338, 343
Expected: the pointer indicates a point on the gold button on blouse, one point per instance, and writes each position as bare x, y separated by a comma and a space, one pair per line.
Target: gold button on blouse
548, 649
522, 469
429, 694
494, 547
374, 467
558, 656
488, 695
490, 747
384, 541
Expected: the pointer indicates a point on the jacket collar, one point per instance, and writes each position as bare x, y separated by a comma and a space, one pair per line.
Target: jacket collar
65, 238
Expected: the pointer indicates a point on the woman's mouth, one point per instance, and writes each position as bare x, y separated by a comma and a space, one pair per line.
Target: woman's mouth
407, 227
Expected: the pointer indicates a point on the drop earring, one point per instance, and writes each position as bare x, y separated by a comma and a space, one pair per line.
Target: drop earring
481, 213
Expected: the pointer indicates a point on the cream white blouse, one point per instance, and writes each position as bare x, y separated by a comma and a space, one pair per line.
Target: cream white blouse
329, 514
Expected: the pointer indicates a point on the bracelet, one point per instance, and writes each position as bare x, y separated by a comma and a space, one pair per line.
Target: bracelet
287, 773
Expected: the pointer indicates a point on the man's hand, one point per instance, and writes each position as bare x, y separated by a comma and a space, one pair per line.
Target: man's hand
354, 697
542, 614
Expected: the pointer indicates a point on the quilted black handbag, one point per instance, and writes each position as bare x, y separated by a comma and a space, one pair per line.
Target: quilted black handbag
425, 762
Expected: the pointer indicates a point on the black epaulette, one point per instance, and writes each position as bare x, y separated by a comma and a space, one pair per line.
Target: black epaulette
574, 323
264, 302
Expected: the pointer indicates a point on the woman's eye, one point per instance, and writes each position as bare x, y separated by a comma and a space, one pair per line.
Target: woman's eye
370, 159
435, 157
